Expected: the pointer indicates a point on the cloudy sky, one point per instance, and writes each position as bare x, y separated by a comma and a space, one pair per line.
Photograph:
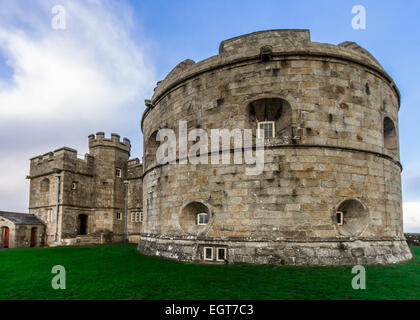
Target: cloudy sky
58, 86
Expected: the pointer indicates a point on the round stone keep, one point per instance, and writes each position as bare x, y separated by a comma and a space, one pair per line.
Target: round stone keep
329, 192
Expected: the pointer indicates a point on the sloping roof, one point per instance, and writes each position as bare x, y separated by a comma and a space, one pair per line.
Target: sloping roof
20, 218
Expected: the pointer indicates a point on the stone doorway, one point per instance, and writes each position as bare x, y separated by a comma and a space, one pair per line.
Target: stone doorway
33, 237
82, 220
6, 237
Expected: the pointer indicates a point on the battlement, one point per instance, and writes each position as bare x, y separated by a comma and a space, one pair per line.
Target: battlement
60, 159
99, 140
66, 152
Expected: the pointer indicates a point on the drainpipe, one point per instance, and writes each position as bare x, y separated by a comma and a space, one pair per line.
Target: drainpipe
58, 176
125, 209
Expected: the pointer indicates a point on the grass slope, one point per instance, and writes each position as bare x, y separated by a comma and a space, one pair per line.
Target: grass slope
119, 272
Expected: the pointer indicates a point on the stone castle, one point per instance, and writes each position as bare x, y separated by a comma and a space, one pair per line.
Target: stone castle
330, 191
93, 200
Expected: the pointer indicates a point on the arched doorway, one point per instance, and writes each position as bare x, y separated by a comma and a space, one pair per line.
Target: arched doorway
6, 237
82, 224
33, 237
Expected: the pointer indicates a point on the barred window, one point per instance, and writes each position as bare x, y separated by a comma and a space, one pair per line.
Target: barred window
137, 217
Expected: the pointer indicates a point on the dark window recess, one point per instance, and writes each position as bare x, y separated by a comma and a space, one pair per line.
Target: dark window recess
367, 89
339, 217
221, 254
208, 252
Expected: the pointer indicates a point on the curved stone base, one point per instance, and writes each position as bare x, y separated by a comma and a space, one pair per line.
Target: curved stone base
328, 252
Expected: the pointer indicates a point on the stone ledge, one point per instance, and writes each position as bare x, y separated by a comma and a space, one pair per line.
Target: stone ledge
282, 253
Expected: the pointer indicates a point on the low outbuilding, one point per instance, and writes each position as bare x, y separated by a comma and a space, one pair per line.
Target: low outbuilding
20, 230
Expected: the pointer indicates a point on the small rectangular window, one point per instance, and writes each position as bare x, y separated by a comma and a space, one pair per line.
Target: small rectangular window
208, 253
133, 216
265, 129
74, 185
118, 172
119, 216
340, 218
137, 217
141, 216
221, 254
202, 218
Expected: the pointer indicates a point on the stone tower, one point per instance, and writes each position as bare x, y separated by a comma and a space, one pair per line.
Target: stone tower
83, 200
330, 191
110, 167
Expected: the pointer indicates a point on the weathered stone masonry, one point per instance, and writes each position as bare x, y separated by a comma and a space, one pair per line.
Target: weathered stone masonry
91, 203
335, 149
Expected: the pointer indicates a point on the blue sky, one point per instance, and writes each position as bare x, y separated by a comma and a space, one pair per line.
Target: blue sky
124, 47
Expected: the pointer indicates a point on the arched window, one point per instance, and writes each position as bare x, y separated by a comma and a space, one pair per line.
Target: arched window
45, 185
390, 135
151, 147
272, 117
351, 217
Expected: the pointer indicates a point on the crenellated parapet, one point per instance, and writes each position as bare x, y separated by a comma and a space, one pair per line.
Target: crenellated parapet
62, 159
99, 140
90, 191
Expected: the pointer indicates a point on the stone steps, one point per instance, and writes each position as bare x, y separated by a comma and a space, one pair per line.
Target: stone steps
87, 240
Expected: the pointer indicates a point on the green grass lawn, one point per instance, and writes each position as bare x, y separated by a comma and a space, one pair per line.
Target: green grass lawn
119, 272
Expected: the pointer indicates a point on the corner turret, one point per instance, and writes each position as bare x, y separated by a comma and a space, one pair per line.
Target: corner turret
100, 141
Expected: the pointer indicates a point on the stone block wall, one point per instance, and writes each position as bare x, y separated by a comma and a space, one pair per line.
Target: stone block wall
89, 187
135, 199
333, 157
20, 235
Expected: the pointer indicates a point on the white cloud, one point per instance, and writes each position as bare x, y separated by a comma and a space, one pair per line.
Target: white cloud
91, 66
66, 84
411, 212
